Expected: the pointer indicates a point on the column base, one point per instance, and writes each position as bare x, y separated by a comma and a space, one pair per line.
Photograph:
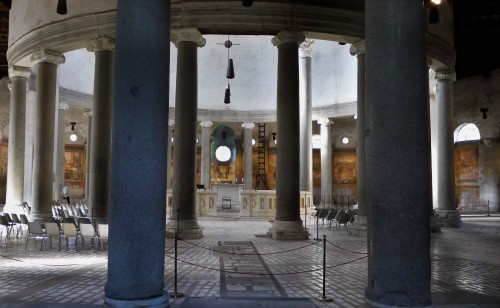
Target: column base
450, 218
360, 226
288, 231
159, 301
187, 230
375, 304
435, 224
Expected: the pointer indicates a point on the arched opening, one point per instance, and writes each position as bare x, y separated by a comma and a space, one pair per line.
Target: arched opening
466, 132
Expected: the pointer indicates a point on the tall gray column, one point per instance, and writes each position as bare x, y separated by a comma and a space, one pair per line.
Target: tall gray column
183, 217
100, 141
360, 225
447, 205
247, 154
43, 134
205, 153
397, 155
171, 124
59, 150
305, 89
287, 224
17, 122
136, 254
326, 158
87, 159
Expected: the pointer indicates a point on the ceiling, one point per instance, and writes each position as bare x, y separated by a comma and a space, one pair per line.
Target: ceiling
477, 36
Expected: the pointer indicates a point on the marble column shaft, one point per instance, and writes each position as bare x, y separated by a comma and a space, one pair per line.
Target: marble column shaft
17, 122
171, 124
447, 205
287, 224
100, 141
305, 92
397, 155
247, 154
136, 254
43, 134
205, 153
59, 150
87, 160
326, 158
183, 216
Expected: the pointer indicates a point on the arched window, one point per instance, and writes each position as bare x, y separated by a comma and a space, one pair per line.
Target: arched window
466, 132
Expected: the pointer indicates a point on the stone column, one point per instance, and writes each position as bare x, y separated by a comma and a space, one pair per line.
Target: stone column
305, 89
171, 124
247, 154
17, 122
43, 134
100, 141
205, 153
183, 217
326, 158
288, 225
59, 150
360, 225
87, 160
397, 155
447, 205
136, 254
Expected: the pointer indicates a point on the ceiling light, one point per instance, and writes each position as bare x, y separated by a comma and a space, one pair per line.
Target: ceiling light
345, 140
62, 8
73, 137
253, 141
247, 2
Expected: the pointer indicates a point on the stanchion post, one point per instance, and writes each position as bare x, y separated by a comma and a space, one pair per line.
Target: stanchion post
323, 298
488, 205
176, 294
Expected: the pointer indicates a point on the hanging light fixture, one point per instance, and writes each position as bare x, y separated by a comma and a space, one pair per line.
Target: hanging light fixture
62, 8
247, 2
73, 137
230, 70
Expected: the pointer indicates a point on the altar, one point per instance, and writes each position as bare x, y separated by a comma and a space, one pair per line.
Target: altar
228, 196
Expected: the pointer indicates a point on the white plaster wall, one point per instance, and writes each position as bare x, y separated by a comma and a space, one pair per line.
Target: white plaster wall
77, 72
27, 15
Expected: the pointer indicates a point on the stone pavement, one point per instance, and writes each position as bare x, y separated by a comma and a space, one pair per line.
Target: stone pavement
232, 266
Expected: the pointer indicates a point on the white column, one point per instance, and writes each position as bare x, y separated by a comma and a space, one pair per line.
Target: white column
326, 158
43, 149
205, 153
17, 122
171, 124
447, 206
59, 152
247, 152
305, 94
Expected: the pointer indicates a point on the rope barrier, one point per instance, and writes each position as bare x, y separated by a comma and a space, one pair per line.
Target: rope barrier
249, 254
265, 274
345, 249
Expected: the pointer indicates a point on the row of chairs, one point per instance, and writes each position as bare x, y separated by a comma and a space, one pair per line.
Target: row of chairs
335, 217
62, 209
66, 229
12, 221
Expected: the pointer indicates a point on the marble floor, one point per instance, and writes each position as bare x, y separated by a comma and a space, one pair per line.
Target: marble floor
235, 260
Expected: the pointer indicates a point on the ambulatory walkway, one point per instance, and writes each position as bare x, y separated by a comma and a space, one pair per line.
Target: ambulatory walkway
234, 264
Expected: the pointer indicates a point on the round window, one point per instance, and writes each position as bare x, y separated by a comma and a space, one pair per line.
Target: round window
223, 153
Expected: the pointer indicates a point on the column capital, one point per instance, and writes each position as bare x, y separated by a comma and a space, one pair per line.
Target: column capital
88, 113
306, 48
103, 43
358, 48
248, 125
288, 37
19, 71
324, 121
206, 123
171, 122
187, 35
48, 56
445, 74
63, 106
